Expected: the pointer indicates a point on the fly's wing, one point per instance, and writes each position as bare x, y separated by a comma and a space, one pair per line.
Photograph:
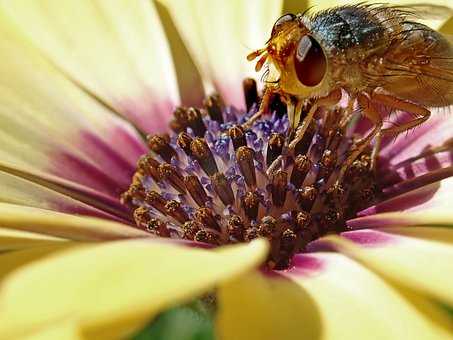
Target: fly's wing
434, 16
419, 67
426, 12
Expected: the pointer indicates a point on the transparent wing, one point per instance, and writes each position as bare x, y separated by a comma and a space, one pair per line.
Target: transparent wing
419, 67
425, 11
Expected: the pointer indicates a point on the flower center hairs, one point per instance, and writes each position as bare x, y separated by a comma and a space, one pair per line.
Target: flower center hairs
218, 180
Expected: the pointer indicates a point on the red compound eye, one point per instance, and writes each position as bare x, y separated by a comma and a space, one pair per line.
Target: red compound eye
310, 61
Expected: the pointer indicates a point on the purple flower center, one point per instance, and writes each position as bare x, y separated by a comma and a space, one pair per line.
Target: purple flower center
214, 181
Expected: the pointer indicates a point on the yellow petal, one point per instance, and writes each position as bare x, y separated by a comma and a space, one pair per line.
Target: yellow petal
61, 331
220, 34
417, 258
16, 240
41, 194
447, 27
115, 49
14, 259
49, 127
108, 288
339, 300
64, 225
428, 204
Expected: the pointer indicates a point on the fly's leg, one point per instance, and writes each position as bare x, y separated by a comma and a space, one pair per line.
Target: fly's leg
331, 99
373, 115
391, 102
375, 152
264, 107
421, 114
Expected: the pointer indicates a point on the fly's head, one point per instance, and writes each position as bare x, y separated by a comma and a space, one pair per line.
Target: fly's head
297, 62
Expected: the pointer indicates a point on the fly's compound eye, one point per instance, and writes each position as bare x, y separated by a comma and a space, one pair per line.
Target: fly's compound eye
310, 61
283, 19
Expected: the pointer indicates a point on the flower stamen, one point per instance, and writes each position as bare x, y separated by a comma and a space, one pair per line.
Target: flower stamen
214, 181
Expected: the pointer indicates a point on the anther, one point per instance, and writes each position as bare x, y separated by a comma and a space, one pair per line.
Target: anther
190, 229
181, 117
267, 227
368, 194
279, 188
334, 195
236, 227
207, 218
161, 146
175, 210
327, 163
250, 204
332, 217
184, 140
222, 188
170, 173
201, 151
237, 136
206, 237
288, 241
328, 159
127, 199
149, 166
196, 190
251, 233
156, 226
214, 106
244, 157
136, 191
155, 200
302, 220
250, 92
302, 166
274, 147
307, 196
287, 248
141, 216
176, 126
196, 121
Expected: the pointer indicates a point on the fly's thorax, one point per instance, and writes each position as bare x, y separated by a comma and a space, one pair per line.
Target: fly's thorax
352, 33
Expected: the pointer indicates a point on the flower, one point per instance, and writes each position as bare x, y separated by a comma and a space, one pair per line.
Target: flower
80, 81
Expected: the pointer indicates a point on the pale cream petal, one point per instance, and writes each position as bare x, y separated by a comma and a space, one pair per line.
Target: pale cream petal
17, 240
107, 288
63, 330
13, 260
447, 27
336, 299
41, 194
429, 204
64, 225
419, 258
50, 127
115, 49
220, 34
